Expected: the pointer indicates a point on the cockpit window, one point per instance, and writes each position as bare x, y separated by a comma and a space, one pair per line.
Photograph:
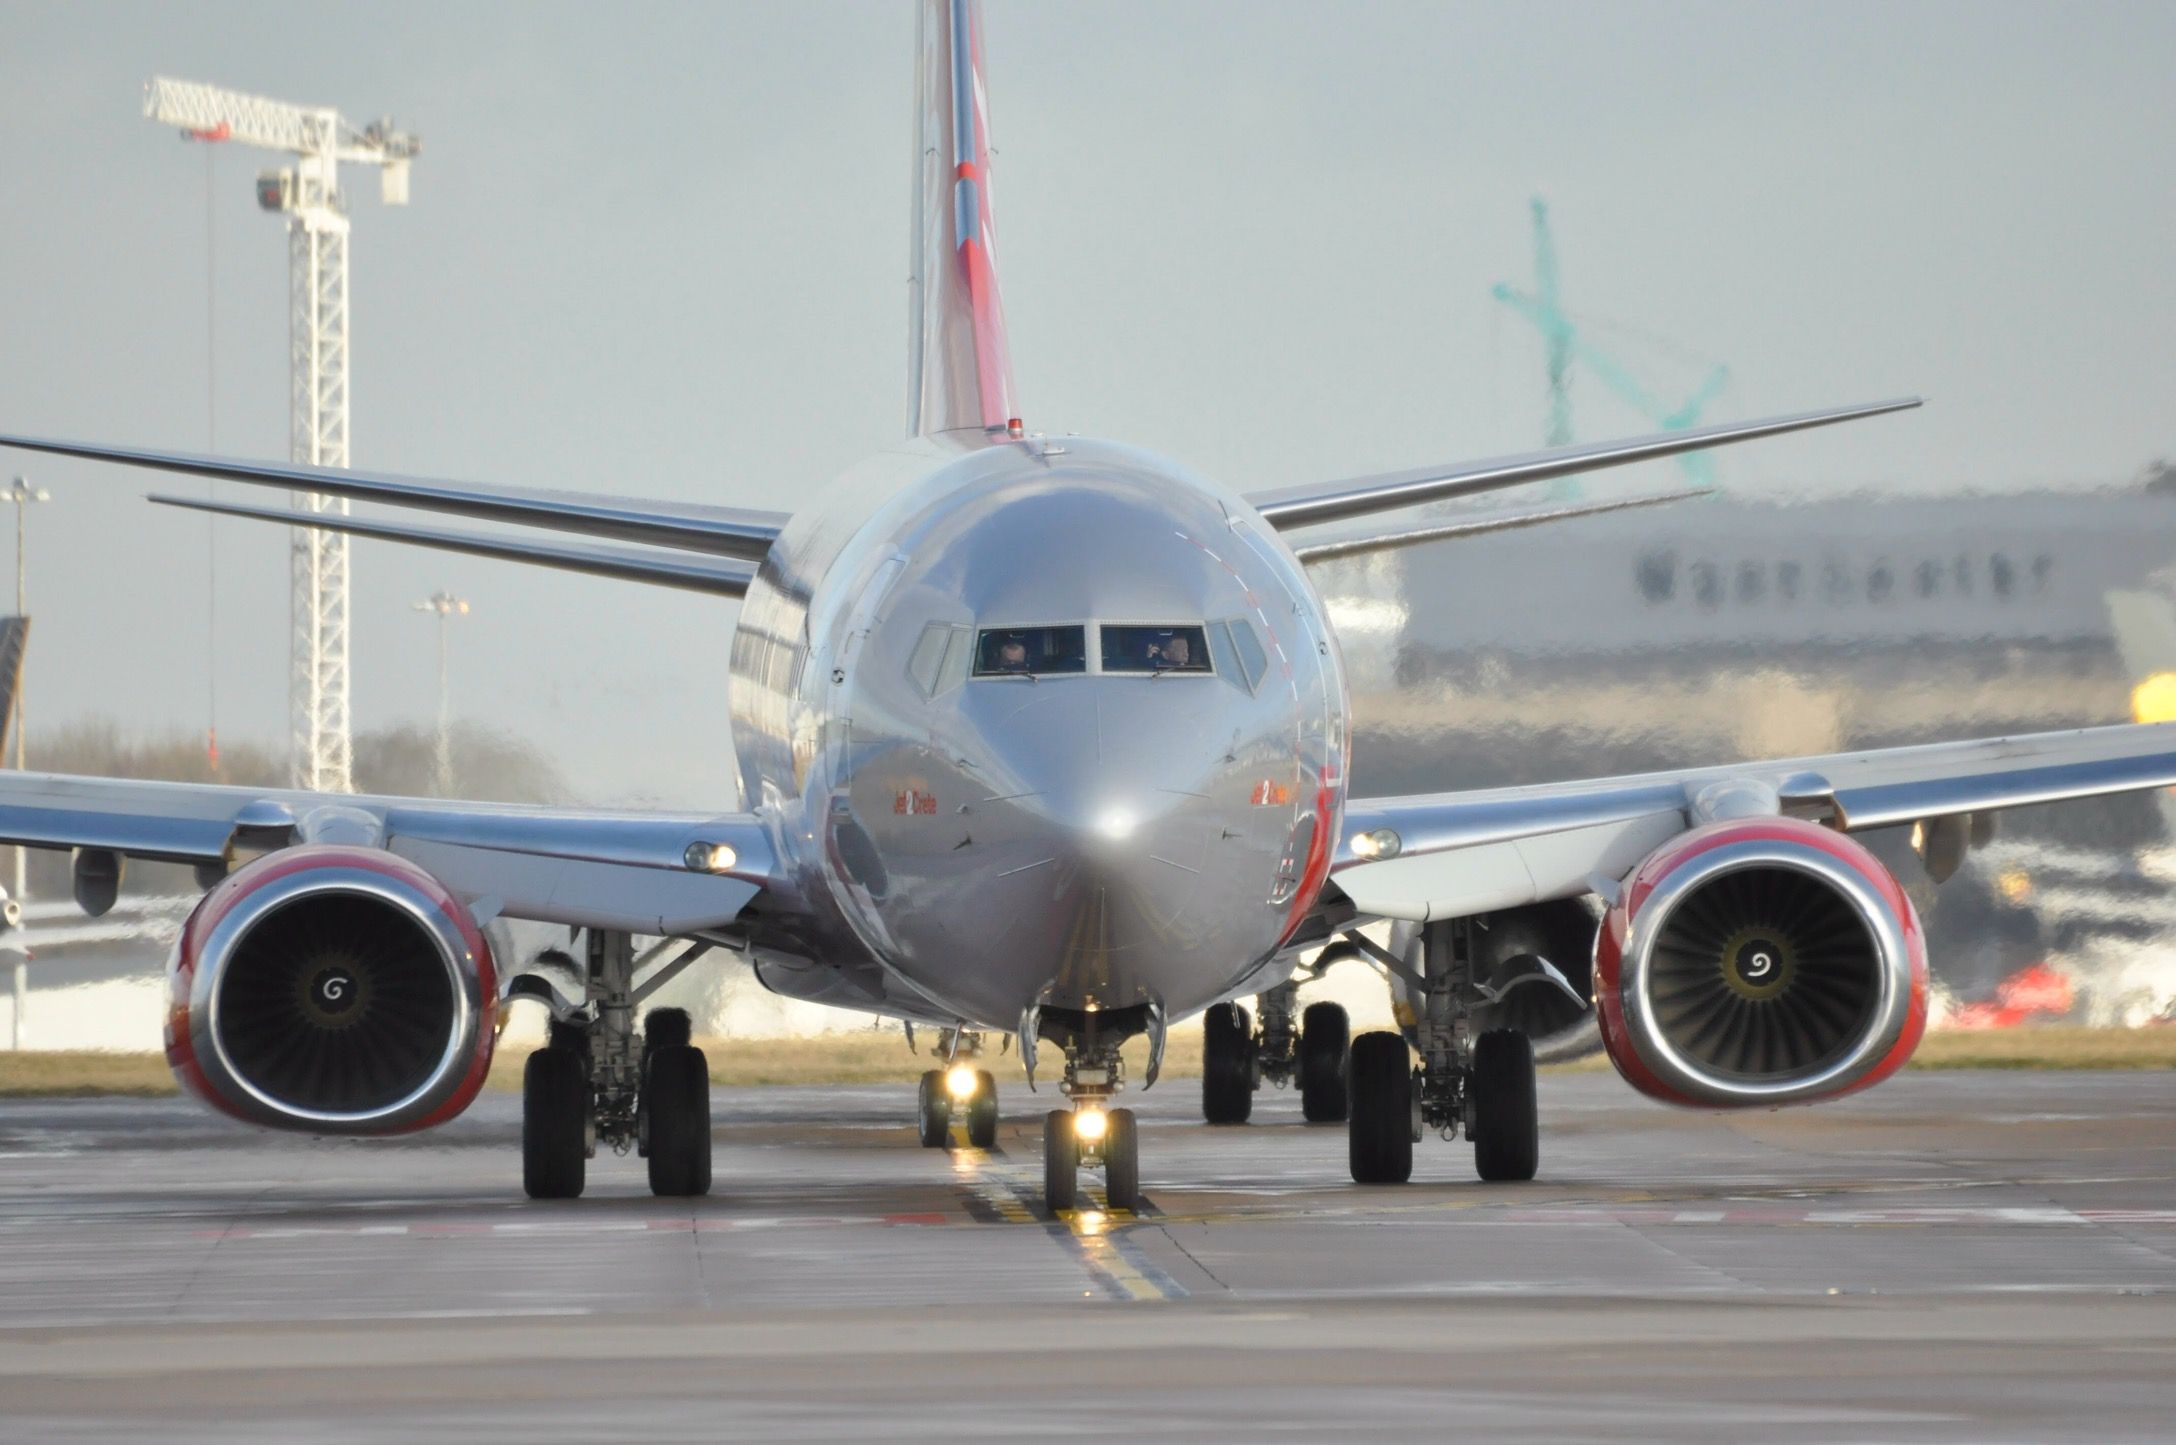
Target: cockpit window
939, 660
927, 660
1033, 651
1170, 648
1253, 662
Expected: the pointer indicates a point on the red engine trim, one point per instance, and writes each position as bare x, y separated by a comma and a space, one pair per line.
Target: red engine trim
1609, 943
187, 955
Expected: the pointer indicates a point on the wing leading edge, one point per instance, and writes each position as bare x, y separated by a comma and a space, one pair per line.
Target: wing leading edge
582, 867
1314, 502
723, 531
720, 576
1463, 853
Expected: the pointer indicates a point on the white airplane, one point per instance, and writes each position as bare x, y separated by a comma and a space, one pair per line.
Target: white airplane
1041, 736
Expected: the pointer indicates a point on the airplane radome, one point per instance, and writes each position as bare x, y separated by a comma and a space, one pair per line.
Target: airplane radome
1050, 738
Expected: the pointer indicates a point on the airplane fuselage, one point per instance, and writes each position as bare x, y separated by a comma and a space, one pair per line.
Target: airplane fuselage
1083, 823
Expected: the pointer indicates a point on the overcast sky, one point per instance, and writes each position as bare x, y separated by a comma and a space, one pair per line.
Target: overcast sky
661, 249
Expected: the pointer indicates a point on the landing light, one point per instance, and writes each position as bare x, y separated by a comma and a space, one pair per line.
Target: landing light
710, 857
960, 1082
1116, 824
1091, 1124
1377, 846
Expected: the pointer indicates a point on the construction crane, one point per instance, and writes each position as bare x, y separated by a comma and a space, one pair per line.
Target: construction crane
307, 191
1567, 343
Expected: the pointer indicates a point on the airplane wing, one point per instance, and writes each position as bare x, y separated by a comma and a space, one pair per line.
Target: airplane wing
655, 873
1449, 855
1317, 502
725, 531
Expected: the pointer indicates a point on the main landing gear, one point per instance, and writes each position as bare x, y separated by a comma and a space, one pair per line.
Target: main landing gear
595, 1082
1483, 1085
1236, 1059
958, 1090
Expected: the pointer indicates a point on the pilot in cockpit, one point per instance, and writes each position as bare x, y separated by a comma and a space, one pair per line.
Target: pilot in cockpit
1171, 653
1012, 655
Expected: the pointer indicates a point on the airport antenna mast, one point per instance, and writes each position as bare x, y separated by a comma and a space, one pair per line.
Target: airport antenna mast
1567, 342
307, 190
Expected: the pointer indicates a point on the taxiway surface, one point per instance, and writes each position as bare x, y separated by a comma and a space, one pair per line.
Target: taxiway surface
1952, 1256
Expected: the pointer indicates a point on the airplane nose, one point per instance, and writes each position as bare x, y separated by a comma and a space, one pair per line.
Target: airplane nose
1079, 850
1106, 792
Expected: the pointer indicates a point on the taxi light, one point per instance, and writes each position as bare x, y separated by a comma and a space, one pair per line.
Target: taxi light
1091, 1124
711, 857
960, 1082
1381, 844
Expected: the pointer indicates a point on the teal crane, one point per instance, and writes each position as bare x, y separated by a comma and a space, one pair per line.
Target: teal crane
1566, 344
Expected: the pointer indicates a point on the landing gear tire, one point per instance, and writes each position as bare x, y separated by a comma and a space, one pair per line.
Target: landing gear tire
667, 1028
1506, 1122
1122, 1161
933, 1111
1227, 1065
554, 1124
1061, 1161
678, 1088
1325, 1057
982, 1112
662, 1028
1380, 1130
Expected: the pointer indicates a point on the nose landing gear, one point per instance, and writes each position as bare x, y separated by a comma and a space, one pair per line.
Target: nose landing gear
1091, 1135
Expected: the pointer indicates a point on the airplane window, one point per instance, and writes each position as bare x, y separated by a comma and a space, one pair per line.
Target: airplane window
926, 663
1657, 574
1033, 651
1155, 649
1221, 656
1253, 662
956, 659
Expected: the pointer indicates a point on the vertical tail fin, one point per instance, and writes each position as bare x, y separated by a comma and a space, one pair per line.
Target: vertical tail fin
959, 370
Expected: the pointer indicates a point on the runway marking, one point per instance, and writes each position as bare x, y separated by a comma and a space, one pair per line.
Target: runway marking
1098, 1234
1002, 1191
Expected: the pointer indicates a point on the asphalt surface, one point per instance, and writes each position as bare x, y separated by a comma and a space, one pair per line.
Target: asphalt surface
1950, 1257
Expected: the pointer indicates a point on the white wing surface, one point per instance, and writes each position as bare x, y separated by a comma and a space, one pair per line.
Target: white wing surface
638, 872
1457, 854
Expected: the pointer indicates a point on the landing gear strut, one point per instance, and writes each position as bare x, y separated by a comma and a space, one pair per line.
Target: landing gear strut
594, 1082
958, 1090
1091, 1134
1236, 1060
1483, 1085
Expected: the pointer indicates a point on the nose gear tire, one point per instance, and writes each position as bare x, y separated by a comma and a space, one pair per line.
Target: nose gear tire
554, 1124
1061, 1161
982, 1112
1227, 1065
1506, 1121
1325, 1058
679, 1098
1380, 1131
1122, 1161
933, 1111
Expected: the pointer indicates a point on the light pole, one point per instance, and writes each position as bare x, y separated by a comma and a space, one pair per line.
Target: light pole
22, 494
447, 607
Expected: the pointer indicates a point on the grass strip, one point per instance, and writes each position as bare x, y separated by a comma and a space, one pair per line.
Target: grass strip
881, 1057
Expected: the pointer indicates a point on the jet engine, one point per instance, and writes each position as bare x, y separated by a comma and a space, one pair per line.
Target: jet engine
332, 989
1561, 931
1760, 962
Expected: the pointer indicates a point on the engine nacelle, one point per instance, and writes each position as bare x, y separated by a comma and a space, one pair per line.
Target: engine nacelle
1760, 962
332, 989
